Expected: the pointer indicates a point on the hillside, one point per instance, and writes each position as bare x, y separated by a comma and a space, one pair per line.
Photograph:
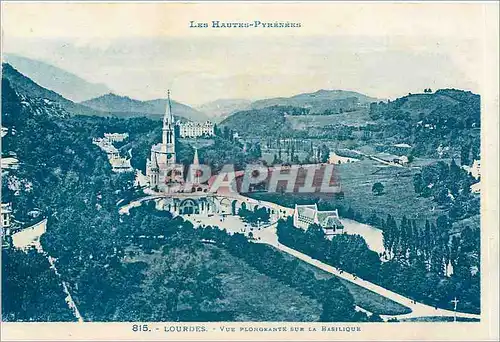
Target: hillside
444, 123
26, 87
320, 102
222, 108
56, 79
263, 122
118, 274
153, 108
450, 105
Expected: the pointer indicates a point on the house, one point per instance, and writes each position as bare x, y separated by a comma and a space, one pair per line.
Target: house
403, 160
305, 215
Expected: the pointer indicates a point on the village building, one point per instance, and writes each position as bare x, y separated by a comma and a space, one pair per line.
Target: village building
6, 212
121, 165
401, 160
305, 215
196, 129
10, 163
116, 137
118, 163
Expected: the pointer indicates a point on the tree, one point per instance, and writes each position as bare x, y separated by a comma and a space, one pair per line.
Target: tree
465, 152
324, 153
418, 183
378, 188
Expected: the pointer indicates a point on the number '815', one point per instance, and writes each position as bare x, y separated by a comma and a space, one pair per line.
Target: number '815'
140, 327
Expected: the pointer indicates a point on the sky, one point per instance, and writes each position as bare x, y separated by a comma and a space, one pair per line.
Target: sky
141, 50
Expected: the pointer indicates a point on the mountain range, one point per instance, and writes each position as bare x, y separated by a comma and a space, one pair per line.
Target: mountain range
25, 86
78, 96
124, 104
69, 85
319, 101
106, 105
316, 103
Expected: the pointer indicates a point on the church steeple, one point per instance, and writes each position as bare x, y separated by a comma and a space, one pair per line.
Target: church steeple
169, 117
196, 160
168, 136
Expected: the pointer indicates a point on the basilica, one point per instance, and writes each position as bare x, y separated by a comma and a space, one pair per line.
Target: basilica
162, 170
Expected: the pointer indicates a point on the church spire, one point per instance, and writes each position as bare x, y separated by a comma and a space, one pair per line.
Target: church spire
169, 117
168, 136
196, 161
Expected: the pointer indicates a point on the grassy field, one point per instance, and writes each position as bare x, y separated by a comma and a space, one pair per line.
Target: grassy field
356, 180
399, 197
364, 298
250, 295
373, 302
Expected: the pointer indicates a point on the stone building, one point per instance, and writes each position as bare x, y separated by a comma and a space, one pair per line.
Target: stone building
305, 215
196, 129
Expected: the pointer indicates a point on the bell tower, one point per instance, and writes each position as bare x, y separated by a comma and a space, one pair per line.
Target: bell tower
168, 136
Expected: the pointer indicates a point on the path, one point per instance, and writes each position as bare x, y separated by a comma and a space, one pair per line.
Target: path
268, 236
69, 299
30, 237
418, 309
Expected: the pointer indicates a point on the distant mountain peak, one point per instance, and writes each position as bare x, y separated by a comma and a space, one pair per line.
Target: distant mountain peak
26, 87
319, 101
155, 108
63, 82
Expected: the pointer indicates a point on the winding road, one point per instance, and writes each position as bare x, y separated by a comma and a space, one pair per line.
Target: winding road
268, 235
418, 309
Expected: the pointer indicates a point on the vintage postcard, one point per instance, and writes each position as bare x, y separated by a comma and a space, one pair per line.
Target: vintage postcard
249, 171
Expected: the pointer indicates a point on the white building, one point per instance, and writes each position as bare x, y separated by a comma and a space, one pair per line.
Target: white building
305, 215
121, 165
6, 218
116, 137
196, 129
118, 163
162, 170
